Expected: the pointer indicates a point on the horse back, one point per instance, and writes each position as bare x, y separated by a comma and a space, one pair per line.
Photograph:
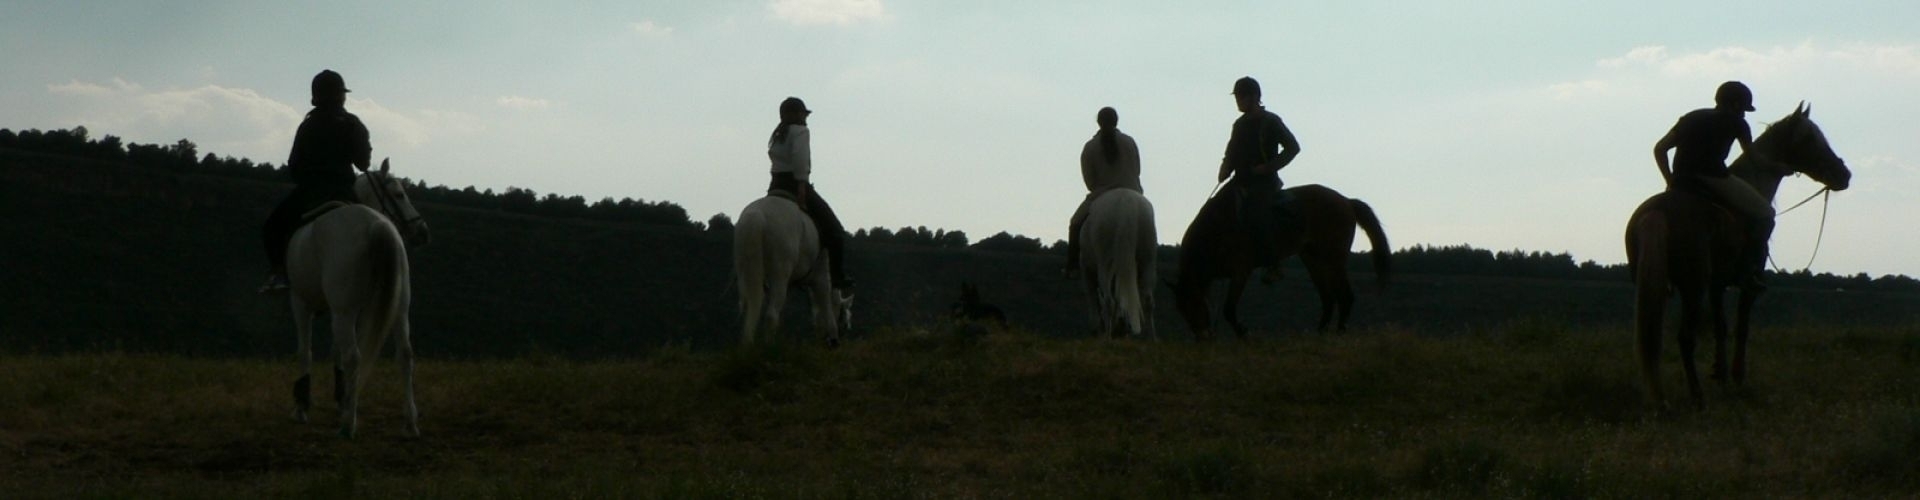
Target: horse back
1684, 234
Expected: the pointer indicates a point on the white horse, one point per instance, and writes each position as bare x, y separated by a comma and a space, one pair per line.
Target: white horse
351, 261
1120, 267
775, 246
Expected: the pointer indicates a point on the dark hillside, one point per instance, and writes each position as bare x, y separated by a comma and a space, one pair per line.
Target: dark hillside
105, 254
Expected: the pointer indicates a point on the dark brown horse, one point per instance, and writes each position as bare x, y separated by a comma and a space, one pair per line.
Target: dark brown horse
1217, 246
1681, 243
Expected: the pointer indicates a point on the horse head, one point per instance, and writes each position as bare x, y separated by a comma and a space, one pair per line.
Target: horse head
1797, 143
388, 194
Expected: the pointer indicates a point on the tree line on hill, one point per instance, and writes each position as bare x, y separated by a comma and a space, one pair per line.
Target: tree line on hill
183, 157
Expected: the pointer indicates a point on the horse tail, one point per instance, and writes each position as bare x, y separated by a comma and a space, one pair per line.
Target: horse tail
1376, 236
1648, 258
750, 269
387, 262
1120, 273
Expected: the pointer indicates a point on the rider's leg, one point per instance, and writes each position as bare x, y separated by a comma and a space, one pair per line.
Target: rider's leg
1758, 213
832, 236
279, 228
1073, 237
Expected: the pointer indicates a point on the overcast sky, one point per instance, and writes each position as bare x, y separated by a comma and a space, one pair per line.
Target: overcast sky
1501, 124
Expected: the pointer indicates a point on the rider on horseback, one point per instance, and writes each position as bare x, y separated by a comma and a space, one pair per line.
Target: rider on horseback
1110, 160
329, 145
1260, 146
1701, 140
792, 156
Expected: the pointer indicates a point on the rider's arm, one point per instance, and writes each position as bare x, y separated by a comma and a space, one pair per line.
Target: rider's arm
1289, 147
1089, 158
800, 139
1660, 149
362, 146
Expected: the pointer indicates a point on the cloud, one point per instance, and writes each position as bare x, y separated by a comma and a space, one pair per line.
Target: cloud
651, 29
224, 120
835, 12
231, 121
519, 103
1639, 55
1574, 90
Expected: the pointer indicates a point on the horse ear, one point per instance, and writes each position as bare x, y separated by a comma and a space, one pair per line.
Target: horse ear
1800, 109
383, 165
1807, 112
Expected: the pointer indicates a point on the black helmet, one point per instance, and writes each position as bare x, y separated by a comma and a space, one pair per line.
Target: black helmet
794, 104
328, 82
1733, 95
1246, 85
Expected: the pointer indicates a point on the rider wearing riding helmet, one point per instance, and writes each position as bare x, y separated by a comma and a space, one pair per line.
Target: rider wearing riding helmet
1110, 160
1701, 140
792, 156
329, 145
1259, 147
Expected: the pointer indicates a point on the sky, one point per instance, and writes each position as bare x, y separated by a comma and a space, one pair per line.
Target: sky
1501, 124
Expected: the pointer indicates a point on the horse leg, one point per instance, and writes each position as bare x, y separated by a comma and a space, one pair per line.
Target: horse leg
346, 348
303, 387
1096, 310
1690, 326
1650, 303
1741, 323
1329, 275
775, 305
1148, 274
403, 349
1235, 286
1717, 311
825, 320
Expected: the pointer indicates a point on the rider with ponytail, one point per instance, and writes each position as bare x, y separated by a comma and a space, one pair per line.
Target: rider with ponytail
1110, 160
791, 152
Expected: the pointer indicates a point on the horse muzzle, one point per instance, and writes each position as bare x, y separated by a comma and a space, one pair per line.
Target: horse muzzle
418, 235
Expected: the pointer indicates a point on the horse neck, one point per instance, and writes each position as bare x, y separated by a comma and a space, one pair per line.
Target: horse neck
1764, 180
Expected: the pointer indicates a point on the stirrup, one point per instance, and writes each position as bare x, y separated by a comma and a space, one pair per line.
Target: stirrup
275, 284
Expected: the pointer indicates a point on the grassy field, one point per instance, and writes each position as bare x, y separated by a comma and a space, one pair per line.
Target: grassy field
1528, 410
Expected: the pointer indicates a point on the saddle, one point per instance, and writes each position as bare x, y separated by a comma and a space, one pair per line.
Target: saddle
316, 212
789, 195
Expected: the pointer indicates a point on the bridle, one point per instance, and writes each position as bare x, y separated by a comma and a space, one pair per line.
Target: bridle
389, 204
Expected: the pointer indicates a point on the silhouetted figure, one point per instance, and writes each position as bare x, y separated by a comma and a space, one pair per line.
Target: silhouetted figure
1701, 140
970, 308
1109, 160
329, 145
792, 156
1259, 147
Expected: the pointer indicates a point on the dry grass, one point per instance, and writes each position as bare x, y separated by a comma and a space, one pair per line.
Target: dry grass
1529, 410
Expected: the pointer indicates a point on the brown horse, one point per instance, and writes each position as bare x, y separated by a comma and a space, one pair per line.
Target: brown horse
1681, 242
1217, 246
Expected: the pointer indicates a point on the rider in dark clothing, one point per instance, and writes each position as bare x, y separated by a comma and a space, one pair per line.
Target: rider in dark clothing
1260, 146
1701, 140
791, 150
329, 145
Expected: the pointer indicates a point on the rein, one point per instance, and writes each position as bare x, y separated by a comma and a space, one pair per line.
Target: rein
388, 205
1818, 237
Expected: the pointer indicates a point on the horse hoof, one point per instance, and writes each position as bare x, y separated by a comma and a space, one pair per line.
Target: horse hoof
833, 343
300, 416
